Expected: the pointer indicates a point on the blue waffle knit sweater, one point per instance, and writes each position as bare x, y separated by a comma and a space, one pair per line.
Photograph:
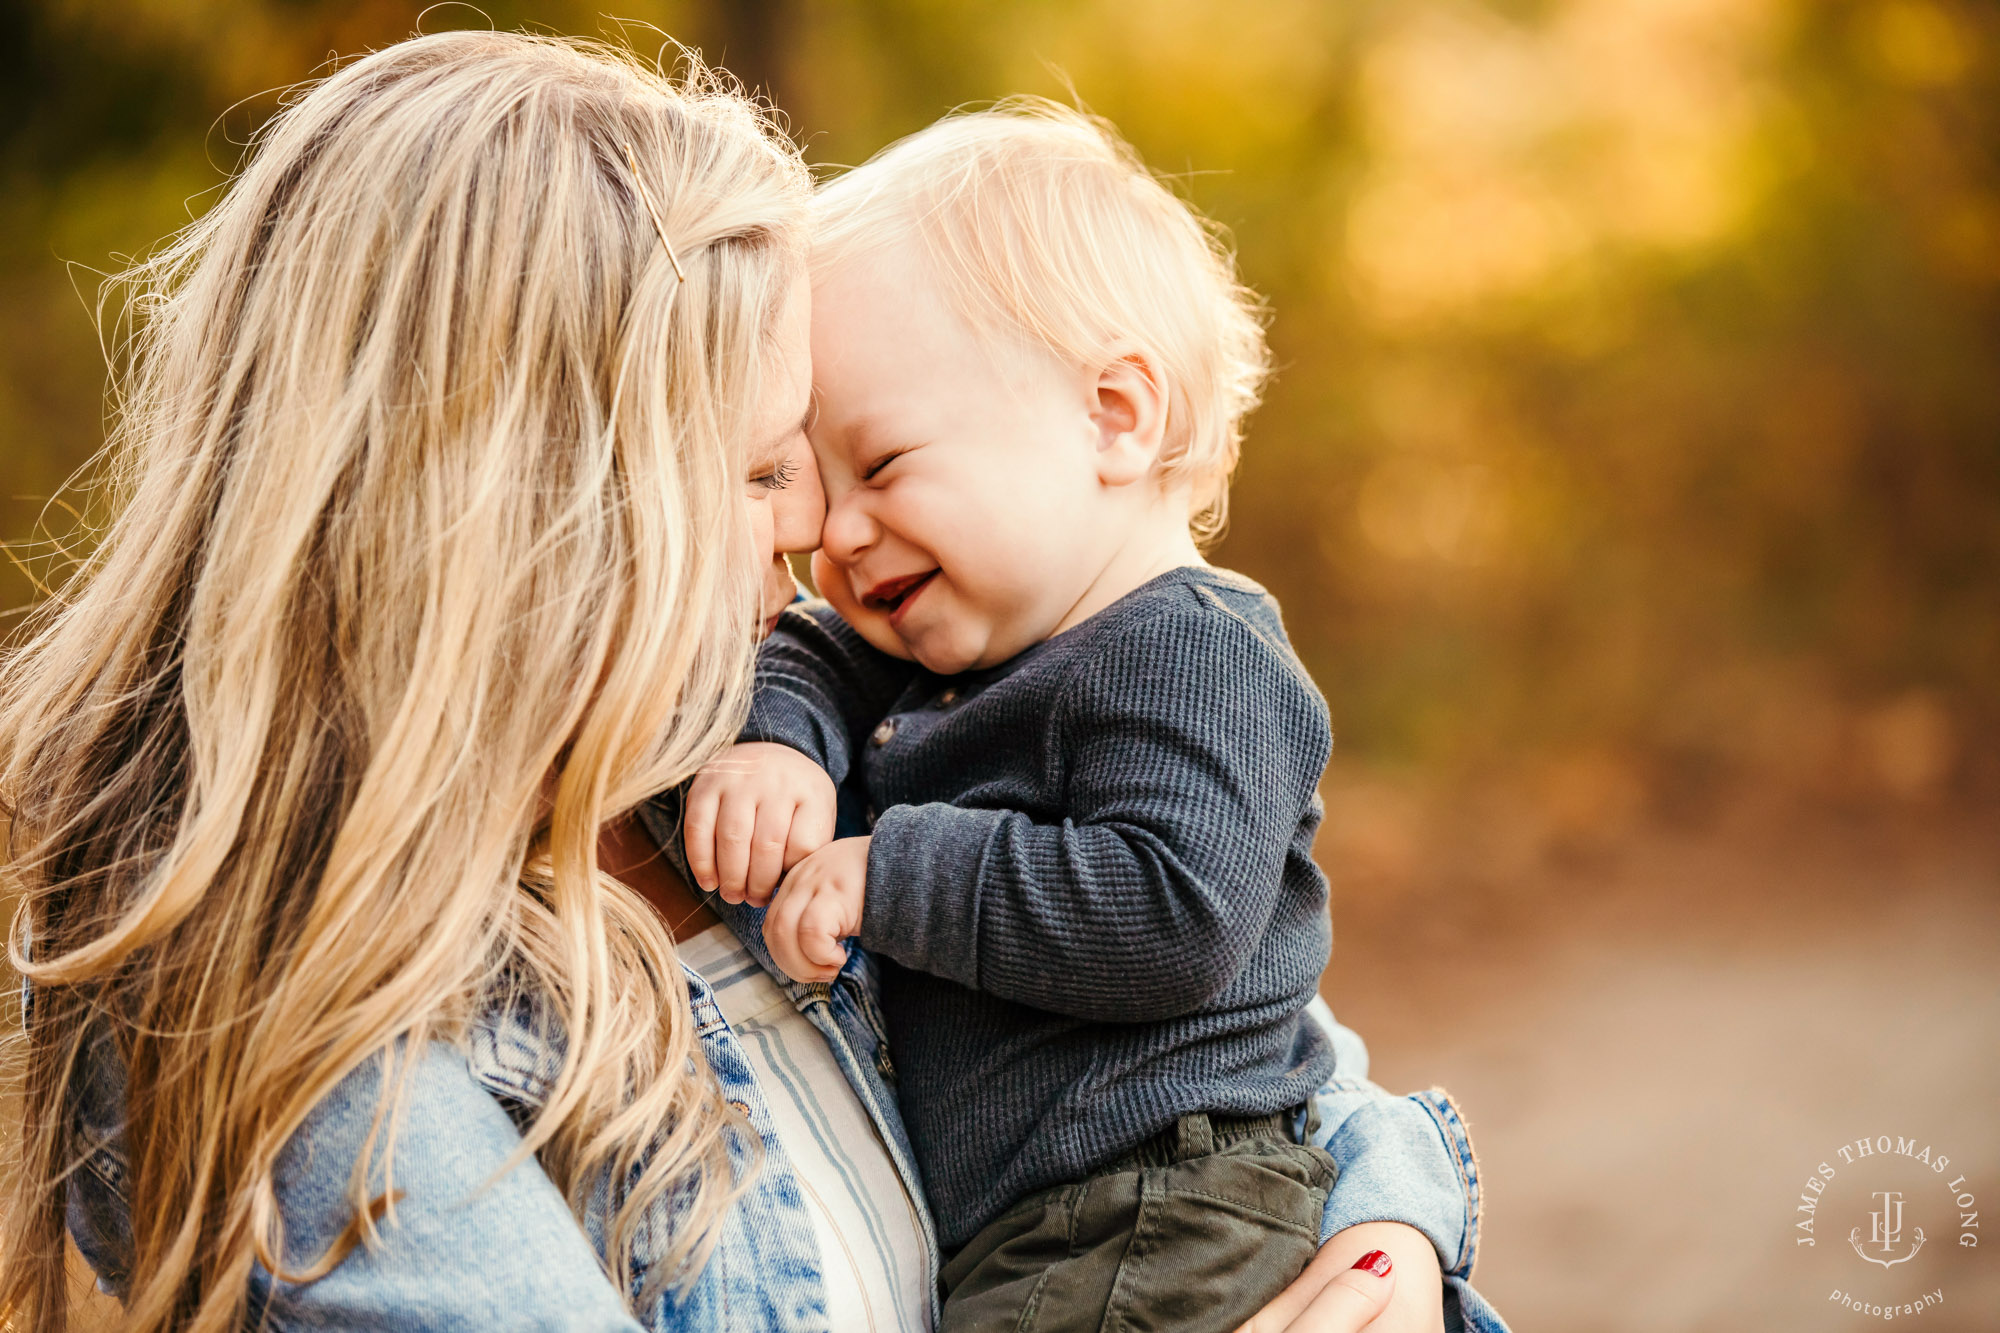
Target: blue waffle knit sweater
1091, 876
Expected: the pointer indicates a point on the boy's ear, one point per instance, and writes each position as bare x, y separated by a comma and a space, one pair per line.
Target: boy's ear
1130, 413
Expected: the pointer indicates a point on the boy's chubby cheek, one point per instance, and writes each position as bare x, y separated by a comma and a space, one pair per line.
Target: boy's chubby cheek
831, 580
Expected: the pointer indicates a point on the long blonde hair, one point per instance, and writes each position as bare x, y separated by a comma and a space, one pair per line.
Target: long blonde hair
428, 472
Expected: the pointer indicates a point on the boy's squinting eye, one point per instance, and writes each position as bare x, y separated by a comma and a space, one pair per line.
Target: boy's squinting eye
868, 473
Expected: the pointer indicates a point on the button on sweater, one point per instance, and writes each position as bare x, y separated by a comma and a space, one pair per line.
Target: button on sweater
1091, 876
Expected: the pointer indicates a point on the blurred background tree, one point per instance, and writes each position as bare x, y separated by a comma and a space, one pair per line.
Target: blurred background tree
1637, 413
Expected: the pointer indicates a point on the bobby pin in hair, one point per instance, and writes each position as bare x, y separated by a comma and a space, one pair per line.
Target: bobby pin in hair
653, 212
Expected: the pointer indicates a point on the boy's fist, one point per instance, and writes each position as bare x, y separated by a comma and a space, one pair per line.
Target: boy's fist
819, 907
751, 816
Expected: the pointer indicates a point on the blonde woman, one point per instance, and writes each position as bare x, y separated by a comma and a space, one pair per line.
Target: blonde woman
456, 451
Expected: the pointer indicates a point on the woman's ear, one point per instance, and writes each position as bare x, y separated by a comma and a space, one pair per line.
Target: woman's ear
1130, 413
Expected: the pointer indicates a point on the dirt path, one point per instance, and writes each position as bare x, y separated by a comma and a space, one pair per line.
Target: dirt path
1656, 1049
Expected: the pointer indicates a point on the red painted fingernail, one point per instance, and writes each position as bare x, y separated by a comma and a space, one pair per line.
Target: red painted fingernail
1376, 1262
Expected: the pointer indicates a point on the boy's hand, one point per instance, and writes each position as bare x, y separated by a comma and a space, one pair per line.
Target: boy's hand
751, 816
819, 907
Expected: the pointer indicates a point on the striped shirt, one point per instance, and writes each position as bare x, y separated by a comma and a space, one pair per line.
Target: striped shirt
869, 1243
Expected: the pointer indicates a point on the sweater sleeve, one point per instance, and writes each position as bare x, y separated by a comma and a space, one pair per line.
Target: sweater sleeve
820, 685
1193, 747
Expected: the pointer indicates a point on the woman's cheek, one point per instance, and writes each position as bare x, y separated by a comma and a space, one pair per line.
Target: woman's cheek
763, 548
799, 509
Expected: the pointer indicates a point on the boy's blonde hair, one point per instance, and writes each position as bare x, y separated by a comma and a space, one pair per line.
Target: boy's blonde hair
1041, 221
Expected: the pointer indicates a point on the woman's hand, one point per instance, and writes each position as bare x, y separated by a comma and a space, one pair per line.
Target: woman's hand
1381, 1276
751, 816
818, 907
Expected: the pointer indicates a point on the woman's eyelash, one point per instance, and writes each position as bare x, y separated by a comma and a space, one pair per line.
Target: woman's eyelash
780, 476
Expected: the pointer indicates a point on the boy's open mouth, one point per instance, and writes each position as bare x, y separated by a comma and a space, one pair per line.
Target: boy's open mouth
892, 595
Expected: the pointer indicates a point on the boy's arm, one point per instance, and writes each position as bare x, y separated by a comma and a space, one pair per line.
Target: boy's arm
762, 806
1193, 747
820, 685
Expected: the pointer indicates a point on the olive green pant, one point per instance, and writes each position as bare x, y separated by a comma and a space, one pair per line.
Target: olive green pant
1195, 1230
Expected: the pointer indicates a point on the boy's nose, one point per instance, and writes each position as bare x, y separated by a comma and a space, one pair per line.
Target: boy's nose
849, 530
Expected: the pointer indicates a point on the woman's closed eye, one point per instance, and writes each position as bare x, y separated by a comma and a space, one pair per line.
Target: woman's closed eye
778, 477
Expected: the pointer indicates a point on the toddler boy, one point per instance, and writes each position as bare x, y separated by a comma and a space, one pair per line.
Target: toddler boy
1089, 759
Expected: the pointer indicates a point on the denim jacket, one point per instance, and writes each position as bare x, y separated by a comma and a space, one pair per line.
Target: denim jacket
471, 1247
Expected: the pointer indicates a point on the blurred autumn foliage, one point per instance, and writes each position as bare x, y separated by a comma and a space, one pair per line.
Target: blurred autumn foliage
1638, 429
